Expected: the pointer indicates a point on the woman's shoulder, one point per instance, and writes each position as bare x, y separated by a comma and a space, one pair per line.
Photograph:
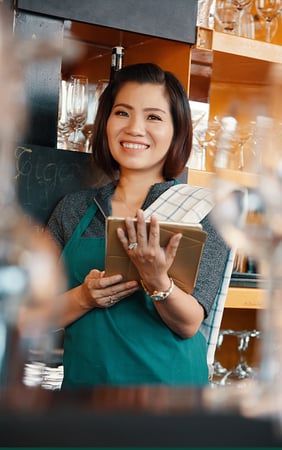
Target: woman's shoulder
83, 196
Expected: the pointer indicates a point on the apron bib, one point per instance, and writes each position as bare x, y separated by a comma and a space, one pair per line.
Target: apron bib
127, 344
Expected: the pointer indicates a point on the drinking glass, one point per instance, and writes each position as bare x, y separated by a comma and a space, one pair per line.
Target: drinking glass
77, 107
64, 129
204, 12
226, 15
242, 369
87, 130
268, 9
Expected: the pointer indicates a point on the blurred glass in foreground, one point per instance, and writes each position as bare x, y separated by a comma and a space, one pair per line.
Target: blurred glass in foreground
30, 275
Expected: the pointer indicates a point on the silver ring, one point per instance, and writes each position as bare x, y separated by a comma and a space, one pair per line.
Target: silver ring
111, 300
132, 245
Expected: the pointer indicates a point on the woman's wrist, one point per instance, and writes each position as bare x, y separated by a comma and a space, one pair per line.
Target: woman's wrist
158, 294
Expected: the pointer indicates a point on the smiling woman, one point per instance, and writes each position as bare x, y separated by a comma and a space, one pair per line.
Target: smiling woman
120, 332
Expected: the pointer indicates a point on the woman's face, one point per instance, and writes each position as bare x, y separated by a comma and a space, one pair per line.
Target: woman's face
140, 127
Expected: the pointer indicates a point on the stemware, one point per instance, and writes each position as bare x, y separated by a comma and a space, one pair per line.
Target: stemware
226, 15
268, 9
242, 370
87, 130
77, 107
63, 129
246, 24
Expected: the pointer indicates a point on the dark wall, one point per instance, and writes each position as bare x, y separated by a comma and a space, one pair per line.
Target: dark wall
169, 19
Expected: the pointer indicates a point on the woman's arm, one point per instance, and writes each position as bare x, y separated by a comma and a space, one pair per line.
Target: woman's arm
183, 313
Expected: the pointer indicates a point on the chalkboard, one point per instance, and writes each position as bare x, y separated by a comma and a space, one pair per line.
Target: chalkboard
45, 175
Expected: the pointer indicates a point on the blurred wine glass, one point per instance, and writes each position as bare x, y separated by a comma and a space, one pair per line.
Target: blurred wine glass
246, 25
77, 107
87, 130
268, 9
242, 369
64, 129
248, 215
227, 16
239, 213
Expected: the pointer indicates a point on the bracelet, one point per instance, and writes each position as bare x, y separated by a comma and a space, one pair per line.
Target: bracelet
159, 295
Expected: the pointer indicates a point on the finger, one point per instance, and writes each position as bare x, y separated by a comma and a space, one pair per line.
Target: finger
154, 234
111, 300
130, 230
172, 246
142, 237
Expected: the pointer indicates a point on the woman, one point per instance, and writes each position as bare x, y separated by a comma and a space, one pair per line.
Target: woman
115, 332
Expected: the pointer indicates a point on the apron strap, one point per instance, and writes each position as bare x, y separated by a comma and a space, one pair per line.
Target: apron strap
82, 225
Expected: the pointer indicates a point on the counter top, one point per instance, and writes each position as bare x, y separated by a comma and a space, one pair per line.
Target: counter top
127, 417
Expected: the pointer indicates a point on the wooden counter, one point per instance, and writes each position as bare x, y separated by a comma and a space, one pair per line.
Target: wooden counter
128, 417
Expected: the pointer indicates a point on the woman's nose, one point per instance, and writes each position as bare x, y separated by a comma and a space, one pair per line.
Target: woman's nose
136, 126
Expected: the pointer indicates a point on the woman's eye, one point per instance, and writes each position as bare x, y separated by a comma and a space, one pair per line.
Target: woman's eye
121, 113
154, 117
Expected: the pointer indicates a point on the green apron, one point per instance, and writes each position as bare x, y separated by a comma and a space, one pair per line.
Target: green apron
127, 344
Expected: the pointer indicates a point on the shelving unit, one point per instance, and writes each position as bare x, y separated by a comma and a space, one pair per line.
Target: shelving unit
243, 82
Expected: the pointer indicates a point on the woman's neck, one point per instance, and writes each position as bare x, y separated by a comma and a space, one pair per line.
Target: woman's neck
130, 195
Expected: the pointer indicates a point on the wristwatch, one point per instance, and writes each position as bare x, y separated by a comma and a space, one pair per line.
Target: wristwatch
159, 296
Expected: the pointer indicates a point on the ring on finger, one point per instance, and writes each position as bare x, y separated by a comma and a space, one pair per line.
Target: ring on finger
112, 301
132, 245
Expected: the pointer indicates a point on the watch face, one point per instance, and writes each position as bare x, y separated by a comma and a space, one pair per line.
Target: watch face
157, 297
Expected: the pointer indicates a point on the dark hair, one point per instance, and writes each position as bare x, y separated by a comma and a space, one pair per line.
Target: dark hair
180, 148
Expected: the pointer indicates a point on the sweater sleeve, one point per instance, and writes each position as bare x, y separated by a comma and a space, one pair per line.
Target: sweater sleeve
214, 257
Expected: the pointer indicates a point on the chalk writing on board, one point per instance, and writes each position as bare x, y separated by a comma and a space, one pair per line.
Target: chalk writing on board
44, 175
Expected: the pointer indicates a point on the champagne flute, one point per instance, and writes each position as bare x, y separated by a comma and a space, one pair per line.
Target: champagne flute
77, 107
268, 9
63, 129
87, 130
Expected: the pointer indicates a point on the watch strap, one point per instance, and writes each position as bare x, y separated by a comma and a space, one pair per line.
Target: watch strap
158, 295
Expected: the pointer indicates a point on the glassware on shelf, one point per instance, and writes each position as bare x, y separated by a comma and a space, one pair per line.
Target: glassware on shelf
64, 129
269, 10
246, 24
242, 369
87, 130
77, 108
218, 369
205, 13
226, 16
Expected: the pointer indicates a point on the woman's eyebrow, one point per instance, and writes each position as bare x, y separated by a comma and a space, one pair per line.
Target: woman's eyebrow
150, 108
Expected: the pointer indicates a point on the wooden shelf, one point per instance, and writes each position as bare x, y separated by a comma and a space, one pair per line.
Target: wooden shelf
211, 40
245, 298
249, 48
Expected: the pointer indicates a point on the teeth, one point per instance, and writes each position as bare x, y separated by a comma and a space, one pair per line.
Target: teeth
134, 146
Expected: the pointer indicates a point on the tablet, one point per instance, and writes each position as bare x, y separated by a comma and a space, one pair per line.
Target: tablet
185, 267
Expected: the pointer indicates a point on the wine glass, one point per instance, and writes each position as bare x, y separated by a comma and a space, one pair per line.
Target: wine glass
246, 25
226, 15
268, 9
87, 130
63, 129
242, 370
77, 107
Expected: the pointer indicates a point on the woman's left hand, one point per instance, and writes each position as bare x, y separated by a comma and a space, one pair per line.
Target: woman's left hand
151, 260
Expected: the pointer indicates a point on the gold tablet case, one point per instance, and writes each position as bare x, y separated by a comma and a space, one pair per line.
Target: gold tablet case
185, 267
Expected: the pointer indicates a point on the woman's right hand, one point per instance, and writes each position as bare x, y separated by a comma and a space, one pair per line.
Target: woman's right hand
99, 291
